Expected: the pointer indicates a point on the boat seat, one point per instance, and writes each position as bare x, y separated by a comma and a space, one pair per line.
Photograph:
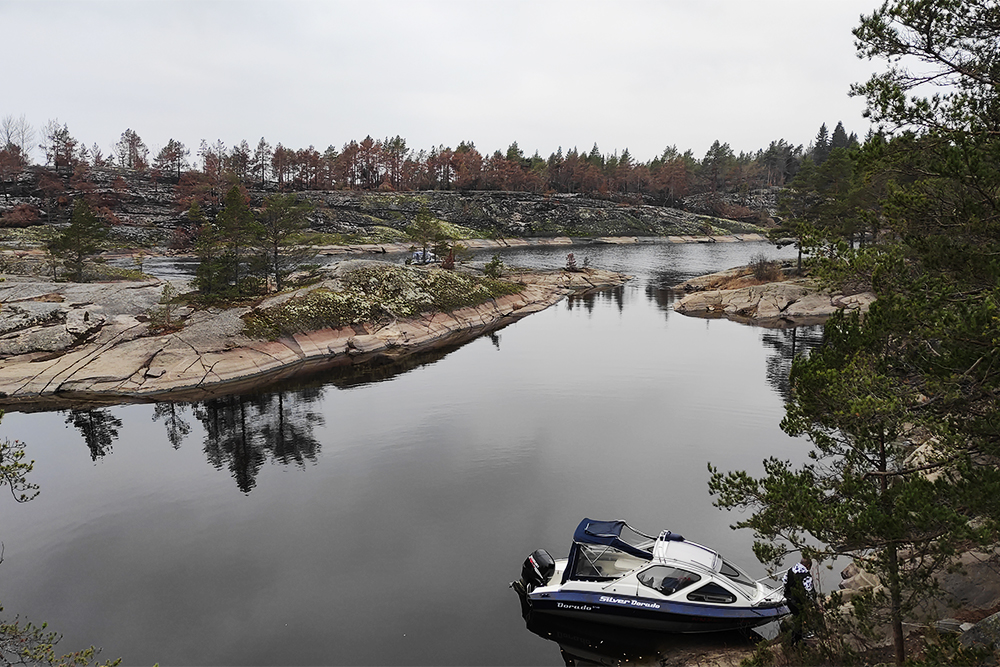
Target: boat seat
624, 564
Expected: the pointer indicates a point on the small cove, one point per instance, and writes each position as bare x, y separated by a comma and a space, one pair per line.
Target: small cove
378, 520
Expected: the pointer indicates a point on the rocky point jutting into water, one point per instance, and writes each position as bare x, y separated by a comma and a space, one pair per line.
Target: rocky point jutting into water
737, 294
69, 341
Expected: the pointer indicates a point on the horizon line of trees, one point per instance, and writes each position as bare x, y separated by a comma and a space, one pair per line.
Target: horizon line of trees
390, 165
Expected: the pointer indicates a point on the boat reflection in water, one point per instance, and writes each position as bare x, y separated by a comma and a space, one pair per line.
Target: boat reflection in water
588, 643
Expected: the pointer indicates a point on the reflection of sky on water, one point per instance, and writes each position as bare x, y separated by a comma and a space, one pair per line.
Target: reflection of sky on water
378, 519
663, 264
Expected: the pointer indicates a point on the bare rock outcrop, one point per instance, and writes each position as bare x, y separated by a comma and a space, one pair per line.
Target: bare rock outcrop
775, 304
984, 634
99, 353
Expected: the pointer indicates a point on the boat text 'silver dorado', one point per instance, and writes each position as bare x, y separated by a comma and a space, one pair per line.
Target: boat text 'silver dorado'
615, 574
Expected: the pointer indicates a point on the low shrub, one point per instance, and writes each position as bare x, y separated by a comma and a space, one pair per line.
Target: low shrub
495, 267
764, 269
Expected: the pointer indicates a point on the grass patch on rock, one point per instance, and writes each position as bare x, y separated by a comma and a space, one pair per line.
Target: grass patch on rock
372, 235
375, 294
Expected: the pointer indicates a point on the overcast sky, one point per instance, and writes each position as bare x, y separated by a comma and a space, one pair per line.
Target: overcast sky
639, 74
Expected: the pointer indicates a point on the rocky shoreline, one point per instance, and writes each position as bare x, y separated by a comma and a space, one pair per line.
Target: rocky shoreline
486, 244
67, 343
737, 295
364, 249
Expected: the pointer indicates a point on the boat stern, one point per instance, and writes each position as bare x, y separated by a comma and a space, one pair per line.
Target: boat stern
537, 570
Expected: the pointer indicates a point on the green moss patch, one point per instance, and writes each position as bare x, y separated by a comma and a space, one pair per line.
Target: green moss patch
458, 232
373, 235
376, 294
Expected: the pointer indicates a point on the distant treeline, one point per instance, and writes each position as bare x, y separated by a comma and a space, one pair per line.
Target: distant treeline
388, 164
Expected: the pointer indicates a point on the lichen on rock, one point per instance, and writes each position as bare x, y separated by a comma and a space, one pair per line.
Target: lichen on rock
375, 292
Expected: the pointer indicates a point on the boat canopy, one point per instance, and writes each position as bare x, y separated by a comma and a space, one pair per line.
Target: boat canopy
617, 534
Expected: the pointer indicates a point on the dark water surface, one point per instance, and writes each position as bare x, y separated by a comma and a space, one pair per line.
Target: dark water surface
380, 522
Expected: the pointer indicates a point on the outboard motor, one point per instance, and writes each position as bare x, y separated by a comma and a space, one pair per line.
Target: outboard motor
537, 569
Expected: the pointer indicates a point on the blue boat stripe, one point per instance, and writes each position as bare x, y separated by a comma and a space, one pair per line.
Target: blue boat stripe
604, 602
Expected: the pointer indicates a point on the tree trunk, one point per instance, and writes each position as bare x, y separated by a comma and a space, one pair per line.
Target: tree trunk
895, 614
892, 564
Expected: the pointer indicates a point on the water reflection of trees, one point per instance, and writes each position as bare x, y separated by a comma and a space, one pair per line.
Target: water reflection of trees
589, 300
243, 432
663, 297
99, 429
660, 289
785, 345
177, 428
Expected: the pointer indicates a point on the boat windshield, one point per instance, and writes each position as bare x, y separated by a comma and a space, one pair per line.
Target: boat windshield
600, 563
636, 539
605, 550
617, 534
743, 582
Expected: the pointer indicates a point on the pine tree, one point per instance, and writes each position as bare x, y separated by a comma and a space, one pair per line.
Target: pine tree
226, 264
172, 158
821, 146
922, 361
425, 231
212, 276
798, 207
839, 138
83, 238
716, 165
260, 161
282, 218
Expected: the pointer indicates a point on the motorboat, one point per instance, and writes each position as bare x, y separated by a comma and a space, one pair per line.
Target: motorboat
423, 256
617, 575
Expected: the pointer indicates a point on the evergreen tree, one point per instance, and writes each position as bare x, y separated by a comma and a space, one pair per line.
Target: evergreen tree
212, 276
260, 161
835, 213
282, 218
798, 206
780, 162
595, 158
923, 359
83, 238
239, 232
515, 154
821, 146
226, 263
716, 165
425, 230
172, 159
840, 138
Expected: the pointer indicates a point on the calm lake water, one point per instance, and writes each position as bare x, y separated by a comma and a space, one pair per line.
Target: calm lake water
378, 519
